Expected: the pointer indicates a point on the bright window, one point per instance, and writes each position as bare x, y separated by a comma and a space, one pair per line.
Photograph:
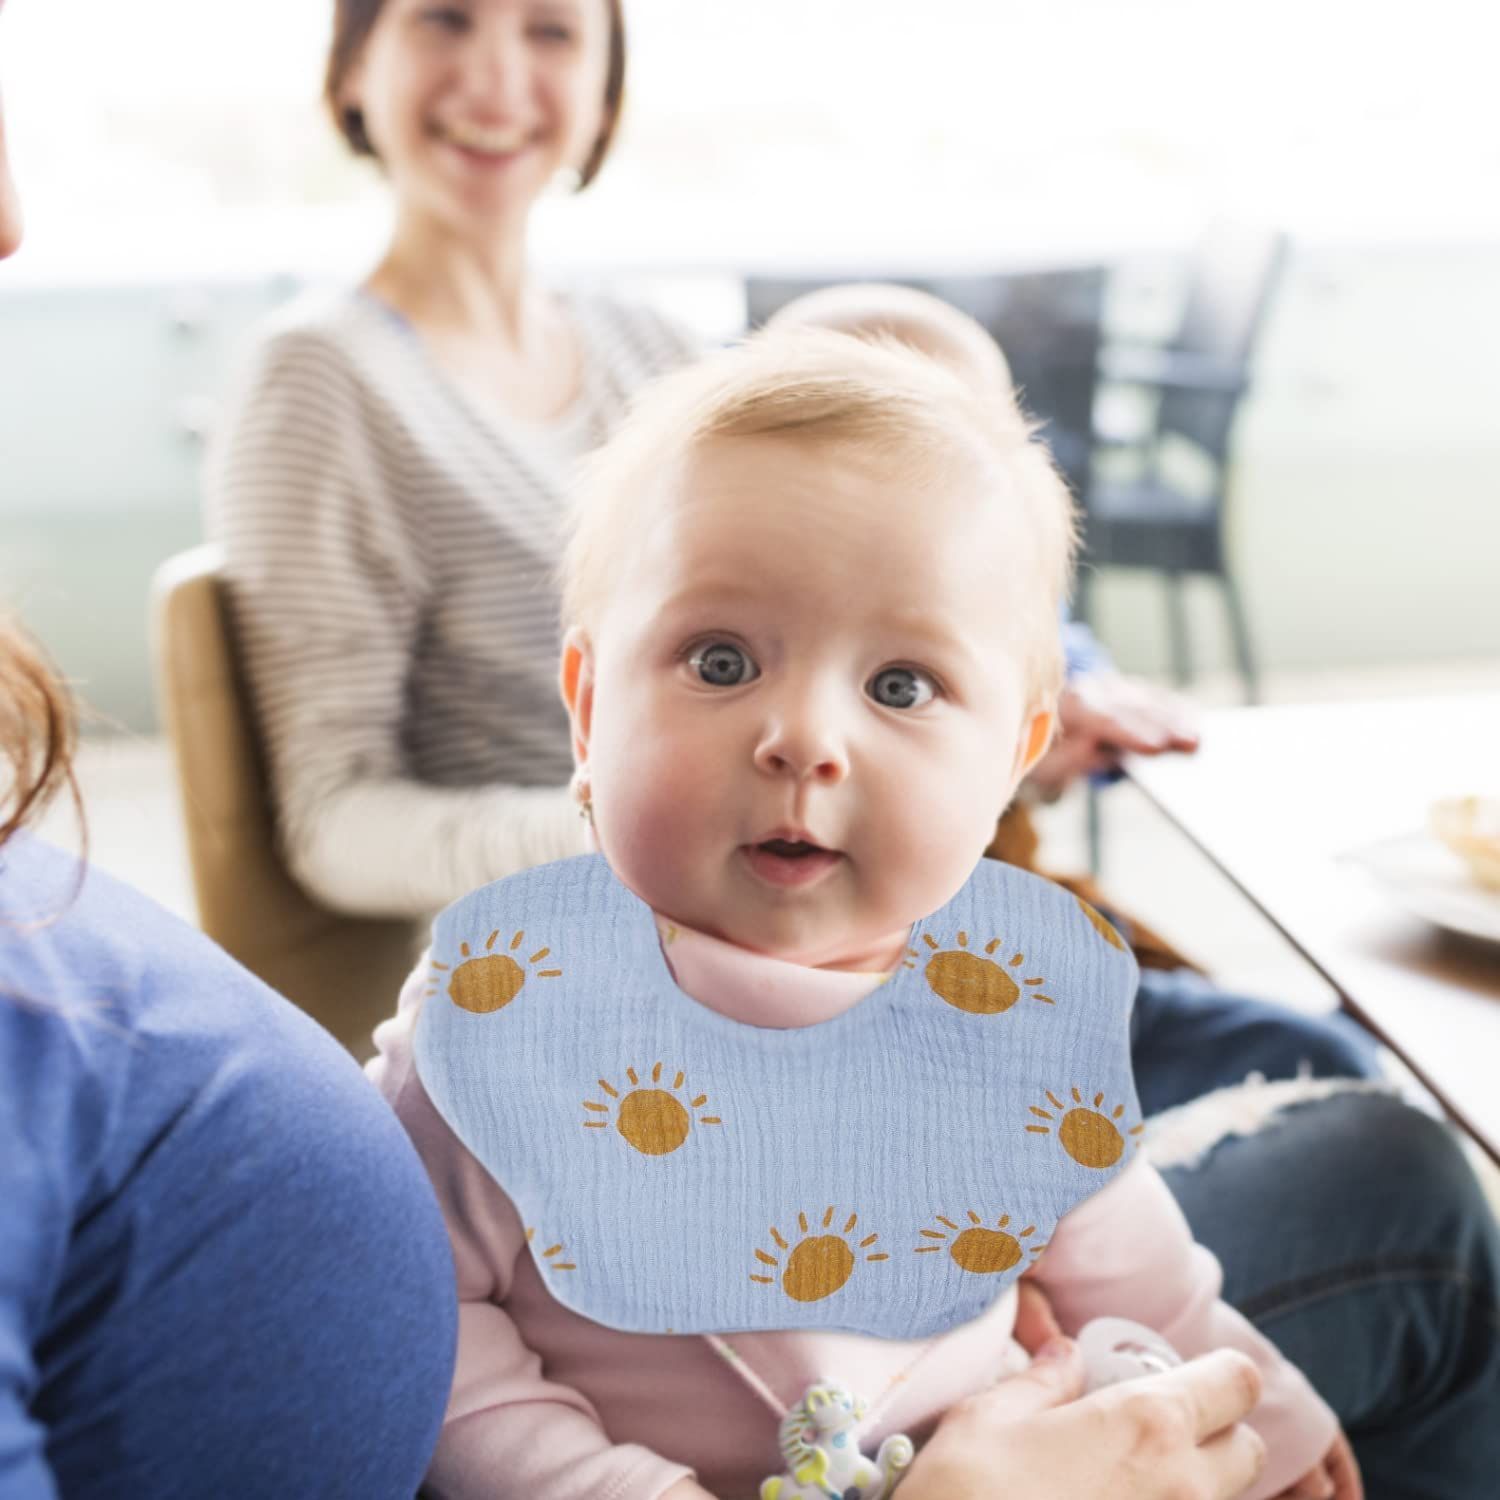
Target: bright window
164, 131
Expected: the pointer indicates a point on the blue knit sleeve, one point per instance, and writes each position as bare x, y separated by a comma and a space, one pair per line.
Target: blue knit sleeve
222, 1269
1082, 649
40, 1143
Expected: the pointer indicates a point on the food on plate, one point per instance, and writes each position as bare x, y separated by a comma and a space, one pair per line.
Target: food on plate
1470, 826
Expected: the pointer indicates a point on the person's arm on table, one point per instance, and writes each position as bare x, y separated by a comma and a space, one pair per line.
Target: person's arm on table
1102, 714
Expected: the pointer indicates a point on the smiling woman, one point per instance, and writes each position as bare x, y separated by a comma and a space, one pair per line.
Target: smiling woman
556, 24
389, 486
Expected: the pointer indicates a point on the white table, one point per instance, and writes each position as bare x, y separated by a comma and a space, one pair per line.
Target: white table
1275, 796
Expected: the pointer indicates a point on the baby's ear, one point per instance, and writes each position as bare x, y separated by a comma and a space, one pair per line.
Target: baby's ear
576, 680
1036, 735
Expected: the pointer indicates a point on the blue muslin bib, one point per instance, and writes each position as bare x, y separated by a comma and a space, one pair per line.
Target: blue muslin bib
889, 1171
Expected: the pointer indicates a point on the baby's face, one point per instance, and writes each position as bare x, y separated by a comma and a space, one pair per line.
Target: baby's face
803, 709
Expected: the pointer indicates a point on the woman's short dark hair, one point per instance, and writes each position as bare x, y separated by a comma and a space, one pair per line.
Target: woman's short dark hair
354, 20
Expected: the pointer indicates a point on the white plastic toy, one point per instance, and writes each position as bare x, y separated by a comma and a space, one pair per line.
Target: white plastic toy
821, 1453
1116, 1350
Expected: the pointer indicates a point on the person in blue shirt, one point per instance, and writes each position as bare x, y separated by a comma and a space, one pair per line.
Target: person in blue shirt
222, 1269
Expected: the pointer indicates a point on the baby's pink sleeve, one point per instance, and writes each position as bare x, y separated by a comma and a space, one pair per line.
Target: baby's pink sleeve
508, 1431
1128, 1252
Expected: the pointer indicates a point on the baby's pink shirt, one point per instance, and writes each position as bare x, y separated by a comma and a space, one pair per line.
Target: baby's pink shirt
548, 1405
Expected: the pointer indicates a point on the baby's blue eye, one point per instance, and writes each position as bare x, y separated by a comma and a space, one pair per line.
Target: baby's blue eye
901, 687
722, 664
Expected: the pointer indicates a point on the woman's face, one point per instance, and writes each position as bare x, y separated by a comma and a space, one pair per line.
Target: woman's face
475, 105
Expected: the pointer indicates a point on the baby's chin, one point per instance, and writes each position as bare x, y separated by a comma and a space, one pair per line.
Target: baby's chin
794, 932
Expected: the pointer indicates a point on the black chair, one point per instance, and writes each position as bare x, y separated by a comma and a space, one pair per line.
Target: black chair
1047, 322
1154, 520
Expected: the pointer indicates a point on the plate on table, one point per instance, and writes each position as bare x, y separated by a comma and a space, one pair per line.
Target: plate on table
1426, 877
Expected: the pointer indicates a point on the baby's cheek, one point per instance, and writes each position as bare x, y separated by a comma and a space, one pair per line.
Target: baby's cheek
676, 782
660, 813
934, 832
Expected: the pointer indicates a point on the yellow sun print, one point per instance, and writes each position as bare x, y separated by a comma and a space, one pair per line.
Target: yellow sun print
653, 1120
487, 982
548, 1264
979, 1249
820, 1264
978, 985
1090, 1137
1101, 926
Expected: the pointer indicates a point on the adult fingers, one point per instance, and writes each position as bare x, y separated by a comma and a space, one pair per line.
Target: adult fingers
1231, 1462
1134, 730
1035, 1323
1343, 1469
1175, 713
1162, 725
997, 1427
1054, 1377
1314, 1485
1152, 714
1213, 1392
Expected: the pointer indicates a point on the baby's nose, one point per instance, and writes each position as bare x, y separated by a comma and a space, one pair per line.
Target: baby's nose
806, 750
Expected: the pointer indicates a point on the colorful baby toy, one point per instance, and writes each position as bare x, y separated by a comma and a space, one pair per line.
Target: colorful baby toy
822, 1457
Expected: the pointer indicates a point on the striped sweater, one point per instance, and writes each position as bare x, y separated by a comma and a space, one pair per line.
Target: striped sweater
389, 551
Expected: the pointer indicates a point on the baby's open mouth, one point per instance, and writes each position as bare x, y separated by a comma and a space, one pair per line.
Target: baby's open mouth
789, 849
790, 862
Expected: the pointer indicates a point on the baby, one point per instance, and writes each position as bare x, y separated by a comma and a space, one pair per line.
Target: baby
788, 1083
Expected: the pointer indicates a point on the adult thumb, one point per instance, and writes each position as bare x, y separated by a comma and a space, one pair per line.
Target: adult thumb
1054, 1376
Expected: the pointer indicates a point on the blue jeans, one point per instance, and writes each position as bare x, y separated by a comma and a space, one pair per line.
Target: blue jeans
1354, 1235
1188, 1037
1351, 1231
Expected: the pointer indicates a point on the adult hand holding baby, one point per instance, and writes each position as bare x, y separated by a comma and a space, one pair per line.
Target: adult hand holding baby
1335, 1477
1169, 1435
1179, 1433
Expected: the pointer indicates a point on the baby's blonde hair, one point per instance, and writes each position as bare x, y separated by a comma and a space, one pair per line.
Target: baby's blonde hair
901, 407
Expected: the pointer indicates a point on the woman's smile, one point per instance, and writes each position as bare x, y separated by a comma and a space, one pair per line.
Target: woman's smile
495, 141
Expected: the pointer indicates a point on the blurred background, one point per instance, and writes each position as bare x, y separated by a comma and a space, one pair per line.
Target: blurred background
180, 181
1299, 408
